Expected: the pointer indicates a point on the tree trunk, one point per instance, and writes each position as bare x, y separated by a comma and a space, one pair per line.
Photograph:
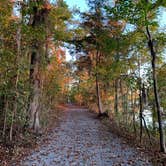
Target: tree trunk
2, 102
126, 103
35, 92
141, 110
37, 19
144, 95
99, 103
5, 117
121, 91
122, 95
133, 110
116, 96
156, 94
154, 117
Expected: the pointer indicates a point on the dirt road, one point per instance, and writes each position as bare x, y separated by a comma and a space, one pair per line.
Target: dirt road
82, 140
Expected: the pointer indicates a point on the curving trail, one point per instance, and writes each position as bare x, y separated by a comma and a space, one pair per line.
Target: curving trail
81, 140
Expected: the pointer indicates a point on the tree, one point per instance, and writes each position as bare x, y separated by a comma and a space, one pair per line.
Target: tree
141, 15
30, 36
41, 15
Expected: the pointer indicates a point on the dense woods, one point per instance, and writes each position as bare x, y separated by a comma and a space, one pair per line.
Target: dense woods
119, 68
32, 62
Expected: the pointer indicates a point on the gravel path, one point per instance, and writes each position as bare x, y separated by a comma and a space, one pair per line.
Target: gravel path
81, 140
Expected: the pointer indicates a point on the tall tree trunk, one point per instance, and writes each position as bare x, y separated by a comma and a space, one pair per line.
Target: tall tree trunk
143, 107
140, 109
99, 102
126, 103
37, 19
5, 117
133, 110
35, 92
156, 94
2, 102
154, 116
121, 91
144, 95
116, 96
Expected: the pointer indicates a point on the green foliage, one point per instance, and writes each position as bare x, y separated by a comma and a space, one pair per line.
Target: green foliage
17, 38
116, 52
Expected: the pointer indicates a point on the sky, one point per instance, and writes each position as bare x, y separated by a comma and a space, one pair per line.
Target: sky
162, 18
79, 3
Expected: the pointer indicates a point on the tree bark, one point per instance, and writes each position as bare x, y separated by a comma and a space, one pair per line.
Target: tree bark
37, 19
141, 110
99, 102
116, 96
35, 92
156, 94
133, 110
5, 117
